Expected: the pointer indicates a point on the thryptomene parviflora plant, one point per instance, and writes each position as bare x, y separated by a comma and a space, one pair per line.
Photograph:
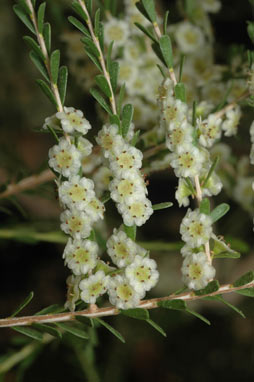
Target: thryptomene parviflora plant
163, 103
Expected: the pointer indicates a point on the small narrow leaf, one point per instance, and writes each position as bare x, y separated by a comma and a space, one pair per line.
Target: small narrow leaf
105, 197
220, 249
97, 22
89, 4
78, 9
79, 25
198, 315
47, 91
24, 18
114, 120
73, 330
47, 36
120, 99
113, 72
90, 46
146, 32
137, 313
109, 54
48, 329
99, 98
103, 85
34, 46
55, 308
62, 82
166, 50
130, 231
135, 138
111, 329
245, 279
219, 212
212, 287
39, 65
28, 332
150, 10
40, 17
210, 172
194, 114
221, 299
156, 327
173, 304
165, 22
127, 116
249, 292
204, 207
181, 67
54, 65
227, 255
23, 304
162, 206
180, 92
94, 60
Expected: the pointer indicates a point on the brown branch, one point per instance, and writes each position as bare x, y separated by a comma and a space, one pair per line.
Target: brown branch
111, 311
28, 183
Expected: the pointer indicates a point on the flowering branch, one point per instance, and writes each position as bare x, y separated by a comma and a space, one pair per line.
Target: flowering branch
111, 311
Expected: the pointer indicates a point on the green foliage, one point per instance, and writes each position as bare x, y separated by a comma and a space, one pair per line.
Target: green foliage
219, 298
103, 85
127, 115
72, 329
99, 98
180, 92
34, 46
166, 51
245, 279
47, 91
130, 231
211, 170
162, 206
29, 332
54, 65
219, 212
40, 17
221, 250
39, 65
148, 10
62, 82
212, 287
44, 328
47, 36
79, 25
137, 313
23, 304
110, 328
24, 18
204, 207
78, 9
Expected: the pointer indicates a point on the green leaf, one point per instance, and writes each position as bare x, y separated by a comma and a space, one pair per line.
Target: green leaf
62, 82
78, 9
23, 304
250, 30
249, 292
162, 206
103, 85
47, 91
90, 46
97, 22
146, 32
173, 304
99, 98
40, 17
212, 287
111, 329
54, 65
198, 315
55, 308
78, 24
181, 290
26, 9
130, 231
180, 91
166, 50
221, 299
114, 120
245, 279
48, 329
34, 46
219, 212
156, 327
165, 22
77, 332
24, 18
127, 116
28, 332
149, 10
204, 207
137, 313
120, 99
47, 36
89, 4
238, 244
210, 172
182, 58
105, 197
109, 54
94, 60
39, 65
113, 72
221, 250
135, 138
52, 131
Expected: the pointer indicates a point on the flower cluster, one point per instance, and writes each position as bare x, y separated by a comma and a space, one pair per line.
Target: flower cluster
127, 188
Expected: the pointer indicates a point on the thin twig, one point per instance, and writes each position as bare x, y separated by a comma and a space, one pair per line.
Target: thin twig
111, 311
152, 151
231, 105
28, 183
101, 56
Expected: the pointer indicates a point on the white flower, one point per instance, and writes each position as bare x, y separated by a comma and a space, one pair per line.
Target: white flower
75, 223
126, 158
203, 108
186, 250
165, 90
197, 271
52, 122
73, 293
187, 160
232, 120
128, 72
76, 192
210, 130
102, 179
81, 255
133, 52
64, 158
95, 209
122, 249
196, 228
136, 212
108, 138
189, 37
73, 120
122, 294
93, 287
213, 185
174, 112
116, 30
142, 274
127, 188
212, 6
178, 135
243, 192
182, 193
84, 147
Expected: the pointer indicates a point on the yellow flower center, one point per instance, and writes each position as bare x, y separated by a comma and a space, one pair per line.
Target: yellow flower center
74, 119
142, 273
195, 271
121, 250
95, 289
116, 33
64, 159
125, 187
124, 292
75, 224
186, 160
81, 255
77, 193
137, 209
125, 160
196, 228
